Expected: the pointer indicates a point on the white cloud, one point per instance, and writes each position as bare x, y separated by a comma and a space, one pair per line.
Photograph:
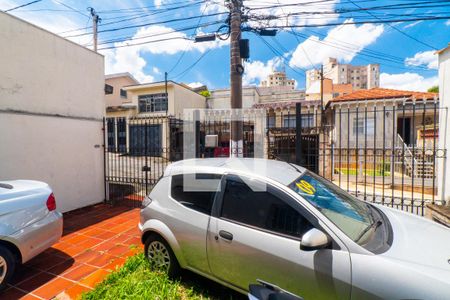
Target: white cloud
410, 25
407, 81
129, 59
126, 60
447, 23
164, 40
158, 3
52, 22
257, 70
194, 85
316, 50
156, 70
428, 58
296, 11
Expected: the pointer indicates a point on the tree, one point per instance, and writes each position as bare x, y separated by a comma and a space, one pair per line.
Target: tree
205, 93
434, 89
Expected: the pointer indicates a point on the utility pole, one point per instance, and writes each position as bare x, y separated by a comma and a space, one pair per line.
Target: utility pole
95, 20
321, 87
236, 71
167, 94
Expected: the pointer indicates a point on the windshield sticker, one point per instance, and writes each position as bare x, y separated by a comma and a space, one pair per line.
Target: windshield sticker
326, 197
306, 187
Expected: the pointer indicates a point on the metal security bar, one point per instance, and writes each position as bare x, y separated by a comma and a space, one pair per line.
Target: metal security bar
137, 151
384, 152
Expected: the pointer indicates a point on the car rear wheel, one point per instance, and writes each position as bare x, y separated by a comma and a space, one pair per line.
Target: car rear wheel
7, 266
161, 256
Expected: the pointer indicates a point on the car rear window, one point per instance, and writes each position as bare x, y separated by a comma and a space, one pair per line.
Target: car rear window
195, 191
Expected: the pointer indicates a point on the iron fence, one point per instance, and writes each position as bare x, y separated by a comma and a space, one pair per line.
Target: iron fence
383, 152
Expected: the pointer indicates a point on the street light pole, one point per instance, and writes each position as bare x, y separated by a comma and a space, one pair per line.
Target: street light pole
236, 70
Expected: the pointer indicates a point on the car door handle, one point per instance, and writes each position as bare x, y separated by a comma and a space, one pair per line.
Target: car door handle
226, 235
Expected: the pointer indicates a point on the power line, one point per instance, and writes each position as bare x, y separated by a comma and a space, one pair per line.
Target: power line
278, 54
361, 22
149, 24
398, 30
147, 42
71, 8
185, 49
132, 38
184, 72
23, 5
135, 16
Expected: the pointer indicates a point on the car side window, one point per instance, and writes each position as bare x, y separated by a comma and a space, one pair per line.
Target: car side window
264, 210
193, 194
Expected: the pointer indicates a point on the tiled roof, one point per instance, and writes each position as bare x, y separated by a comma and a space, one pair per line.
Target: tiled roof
380, 93
285, 104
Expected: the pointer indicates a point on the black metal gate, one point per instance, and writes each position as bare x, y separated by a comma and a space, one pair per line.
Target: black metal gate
382, 152
137, 152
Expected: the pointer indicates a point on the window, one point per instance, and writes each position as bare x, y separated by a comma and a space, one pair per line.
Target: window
264, 210
153, 103
360, 128
351, 215
271, 121
123, 93
290, 121
195, 194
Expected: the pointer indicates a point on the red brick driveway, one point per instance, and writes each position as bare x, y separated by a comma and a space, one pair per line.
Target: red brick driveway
96, 240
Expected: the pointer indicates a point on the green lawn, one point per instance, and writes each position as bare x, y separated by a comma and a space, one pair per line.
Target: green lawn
368, 172
135, 280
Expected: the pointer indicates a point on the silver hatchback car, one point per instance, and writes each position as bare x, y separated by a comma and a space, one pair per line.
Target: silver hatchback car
239, 220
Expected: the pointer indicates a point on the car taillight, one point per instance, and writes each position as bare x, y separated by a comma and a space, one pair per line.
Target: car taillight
51, 202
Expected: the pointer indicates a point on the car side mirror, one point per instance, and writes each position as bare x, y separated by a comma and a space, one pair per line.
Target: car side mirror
314, 239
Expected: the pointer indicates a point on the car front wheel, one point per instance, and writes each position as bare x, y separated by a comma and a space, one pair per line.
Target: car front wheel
7, 266
161, 256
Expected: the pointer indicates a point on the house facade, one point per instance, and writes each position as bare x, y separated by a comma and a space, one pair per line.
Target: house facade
383, 131
51, 111
148, 119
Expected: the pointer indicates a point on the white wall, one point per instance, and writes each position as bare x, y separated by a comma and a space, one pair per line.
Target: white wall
444, 125
51, 105
59, 151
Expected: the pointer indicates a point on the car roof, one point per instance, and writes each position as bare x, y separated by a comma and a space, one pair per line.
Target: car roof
279, 171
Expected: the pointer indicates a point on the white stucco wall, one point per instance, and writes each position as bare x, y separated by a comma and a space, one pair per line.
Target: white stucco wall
51, 105
444, 125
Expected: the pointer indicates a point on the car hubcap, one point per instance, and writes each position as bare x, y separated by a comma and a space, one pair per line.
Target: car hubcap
158, 256
3, 269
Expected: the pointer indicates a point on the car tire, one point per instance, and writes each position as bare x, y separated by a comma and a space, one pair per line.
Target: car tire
160, 256
7, 266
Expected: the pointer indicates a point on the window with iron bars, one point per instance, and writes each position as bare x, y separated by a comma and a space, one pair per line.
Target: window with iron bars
153, 103
290, 121
360, 127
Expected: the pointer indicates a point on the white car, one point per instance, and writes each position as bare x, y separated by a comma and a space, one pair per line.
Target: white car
239, 220
29, 223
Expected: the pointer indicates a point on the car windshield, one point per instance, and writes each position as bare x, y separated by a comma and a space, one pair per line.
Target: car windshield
351, 215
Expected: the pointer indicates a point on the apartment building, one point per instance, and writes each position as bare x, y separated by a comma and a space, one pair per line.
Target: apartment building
278, 78
360, 77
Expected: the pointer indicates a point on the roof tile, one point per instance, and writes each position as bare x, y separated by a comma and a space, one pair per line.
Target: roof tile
381, 93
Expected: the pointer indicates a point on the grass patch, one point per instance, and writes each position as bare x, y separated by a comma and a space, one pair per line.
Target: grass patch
368, 172
135, 280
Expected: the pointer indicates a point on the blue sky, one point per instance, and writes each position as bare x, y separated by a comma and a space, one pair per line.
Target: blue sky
405, 50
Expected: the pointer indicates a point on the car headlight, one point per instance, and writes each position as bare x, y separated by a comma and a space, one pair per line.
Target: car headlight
147, 200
